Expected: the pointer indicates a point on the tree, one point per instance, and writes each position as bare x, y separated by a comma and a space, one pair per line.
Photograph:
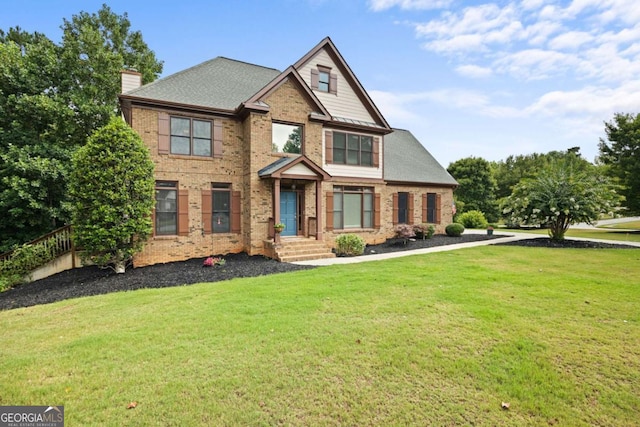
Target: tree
509, 172
34, 147
95, 48
112, 190
52, 97
558, 197
621, 155
477, 186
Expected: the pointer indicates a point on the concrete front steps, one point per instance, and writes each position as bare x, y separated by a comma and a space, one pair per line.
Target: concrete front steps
291, 249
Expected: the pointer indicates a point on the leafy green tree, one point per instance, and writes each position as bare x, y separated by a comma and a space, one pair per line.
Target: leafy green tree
509, 172
621, 155
34, 147
558, 197
112, 190
477, 186
52, 97
95, 48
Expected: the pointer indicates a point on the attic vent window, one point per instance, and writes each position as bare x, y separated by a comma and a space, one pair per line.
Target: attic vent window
323, 80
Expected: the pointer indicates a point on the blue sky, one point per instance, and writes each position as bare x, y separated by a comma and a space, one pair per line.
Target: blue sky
469, 78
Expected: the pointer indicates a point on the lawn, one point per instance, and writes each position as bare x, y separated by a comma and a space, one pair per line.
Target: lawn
438, 339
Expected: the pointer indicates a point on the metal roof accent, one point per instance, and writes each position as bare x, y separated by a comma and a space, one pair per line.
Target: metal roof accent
278, 164
357, 122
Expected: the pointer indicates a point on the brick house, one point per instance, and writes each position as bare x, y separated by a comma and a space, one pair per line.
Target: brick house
239, 147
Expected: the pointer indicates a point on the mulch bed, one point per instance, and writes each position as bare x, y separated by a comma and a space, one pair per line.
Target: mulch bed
88, 281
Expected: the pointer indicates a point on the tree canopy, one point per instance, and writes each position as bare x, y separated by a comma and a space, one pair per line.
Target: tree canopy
621, 154
477, 186
509, 172
52, 97
112, 190
561, 195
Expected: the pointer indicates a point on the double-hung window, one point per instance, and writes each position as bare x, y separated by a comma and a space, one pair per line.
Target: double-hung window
323, 80
403, 208
432, 208
221, 212
352, 207
191, 137
352, 149
166, 221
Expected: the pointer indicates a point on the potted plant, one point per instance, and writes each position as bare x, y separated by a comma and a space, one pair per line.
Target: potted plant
278, 227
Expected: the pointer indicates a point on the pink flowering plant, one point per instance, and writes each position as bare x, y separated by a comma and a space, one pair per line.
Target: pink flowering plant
213, 261
404, 231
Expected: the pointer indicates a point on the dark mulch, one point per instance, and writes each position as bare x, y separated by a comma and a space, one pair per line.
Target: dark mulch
88, 281
574, 244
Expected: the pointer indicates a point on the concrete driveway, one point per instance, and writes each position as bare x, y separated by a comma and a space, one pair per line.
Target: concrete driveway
608, 222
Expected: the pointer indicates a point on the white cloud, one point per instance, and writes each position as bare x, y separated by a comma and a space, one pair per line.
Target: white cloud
536, 64
577, 63
589, 106
538, 33
474, 71
570, 40
561, 40
402, 107
457, 44
475, 20
379, 5
396, 108
532, 4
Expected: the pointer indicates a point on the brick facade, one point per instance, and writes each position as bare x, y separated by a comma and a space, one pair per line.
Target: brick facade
246, 150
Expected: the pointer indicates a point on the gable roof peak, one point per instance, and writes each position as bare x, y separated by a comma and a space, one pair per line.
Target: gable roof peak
333, 52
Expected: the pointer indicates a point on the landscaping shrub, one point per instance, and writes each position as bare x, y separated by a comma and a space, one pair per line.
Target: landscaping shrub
454, 230
349, 245
23, 261
404, 231
424, 231
473, 219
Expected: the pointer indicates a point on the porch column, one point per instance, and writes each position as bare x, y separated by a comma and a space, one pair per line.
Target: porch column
319, 210
276, 207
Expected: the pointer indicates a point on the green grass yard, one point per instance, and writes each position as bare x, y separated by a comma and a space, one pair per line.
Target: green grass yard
438, 339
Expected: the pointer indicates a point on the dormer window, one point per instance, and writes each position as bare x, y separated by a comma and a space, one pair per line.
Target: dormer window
323, 80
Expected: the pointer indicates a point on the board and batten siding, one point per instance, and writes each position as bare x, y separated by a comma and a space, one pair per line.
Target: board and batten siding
343, 104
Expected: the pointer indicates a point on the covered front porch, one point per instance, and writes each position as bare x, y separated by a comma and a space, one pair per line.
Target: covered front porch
297, 201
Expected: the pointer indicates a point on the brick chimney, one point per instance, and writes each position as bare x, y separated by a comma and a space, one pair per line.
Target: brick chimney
130, 79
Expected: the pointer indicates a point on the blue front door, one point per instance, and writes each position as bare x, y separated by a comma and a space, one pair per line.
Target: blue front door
288, 212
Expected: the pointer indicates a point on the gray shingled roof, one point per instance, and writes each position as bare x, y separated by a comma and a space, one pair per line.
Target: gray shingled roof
278, 164
220, 83
406, 160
